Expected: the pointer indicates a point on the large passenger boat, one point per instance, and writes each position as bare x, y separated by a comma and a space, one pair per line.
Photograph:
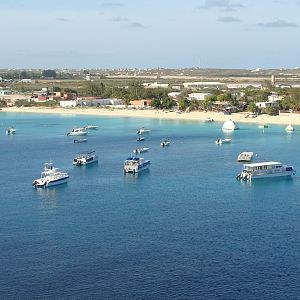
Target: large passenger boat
267, 169
50, 176
85, 158
135, 165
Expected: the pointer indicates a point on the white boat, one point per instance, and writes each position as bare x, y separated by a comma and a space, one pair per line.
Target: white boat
80, 141
140, 139
135, 165
289, 128
85, 158
143, 131
10, 130
87, 127
165, 143
229, 125
140, 150
78, 131
224, 141
267, 169
50, 177
245, 156
263, 126
209, 120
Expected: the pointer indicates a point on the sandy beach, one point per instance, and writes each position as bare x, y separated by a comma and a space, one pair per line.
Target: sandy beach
283, 119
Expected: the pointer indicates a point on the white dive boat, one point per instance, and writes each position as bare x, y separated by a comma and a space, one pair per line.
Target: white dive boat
85, 158
140, 150
10, 130
245, 156
135, 165
229, 125
266, 169
289, 128
78, 131
50, 177
87, 127
165, 143
143, 130
80, 141
224, 141
140, 139
209, 120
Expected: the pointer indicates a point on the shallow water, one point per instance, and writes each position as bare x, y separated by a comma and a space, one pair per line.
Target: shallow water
184, 230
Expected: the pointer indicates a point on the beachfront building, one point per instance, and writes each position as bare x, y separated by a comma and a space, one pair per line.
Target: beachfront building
94, 101
199, 96
141, 103
264, 105
67, 103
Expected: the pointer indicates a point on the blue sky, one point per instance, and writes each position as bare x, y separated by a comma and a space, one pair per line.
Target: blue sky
149, 33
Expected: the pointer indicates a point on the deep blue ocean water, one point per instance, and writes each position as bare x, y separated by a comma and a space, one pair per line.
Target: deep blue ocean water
184, 230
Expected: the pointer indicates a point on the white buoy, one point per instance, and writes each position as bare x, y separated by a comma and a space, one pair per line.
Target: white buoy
229, 125
289, 128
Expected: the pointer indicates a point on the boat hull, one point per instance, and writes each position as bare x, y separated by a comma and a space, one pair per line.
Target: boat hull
84, 163
77, 133
41, 183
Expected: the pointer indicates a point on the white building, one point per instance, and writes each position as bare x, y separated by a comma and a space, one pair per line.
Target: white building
175, 95
199, 96
243, 85
203, 84
267, 104
67, 103
156, 85
275, 97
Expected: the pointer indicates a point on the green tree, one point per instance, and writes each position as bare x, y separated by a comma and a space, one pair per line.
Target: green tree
168, 103
156, 103
252, 107
49, 73
3, 103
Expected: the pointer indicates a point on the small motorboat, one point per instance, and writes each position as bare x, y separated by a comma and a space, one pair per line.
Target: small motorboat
77, 131
10, 130
223, 141
87, 127
140, 139
245, 156
85, 158
263, 126
140, 150
143, 130
165, 143
80, 141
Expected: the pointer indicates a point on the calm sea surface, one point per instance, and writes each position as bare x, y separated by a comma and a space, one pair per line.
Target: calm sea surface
184, 230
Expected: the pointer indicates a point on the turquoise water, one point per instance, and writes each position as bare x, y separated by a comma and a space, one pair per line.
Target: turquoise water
184, 230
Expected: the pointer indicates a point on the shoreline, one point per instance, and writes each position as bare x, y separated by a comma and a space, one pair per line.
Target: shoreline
293, 119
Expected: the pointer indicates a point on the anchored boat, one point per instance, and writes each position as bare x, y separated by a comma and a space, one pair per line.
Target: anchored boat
50, 177
245, 156
267, 169
140, 150
224, 141
10, 130
165, 143
77, 131
85, 158
135, 165
143, 131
